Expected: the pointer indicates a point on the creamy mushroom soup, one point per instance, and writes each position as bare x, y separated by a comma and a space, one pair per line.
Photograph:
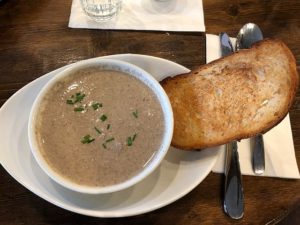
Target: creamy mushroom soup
99, 128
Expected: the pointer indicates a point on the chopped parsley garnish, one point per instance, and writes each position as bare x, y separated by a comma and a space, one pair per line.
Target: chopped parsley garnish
135, 114
96, 105
104, 145
98, 131
78, 97
70, 102
103, 118
87, 139
110, 139
130, 140
108, 126
79, 109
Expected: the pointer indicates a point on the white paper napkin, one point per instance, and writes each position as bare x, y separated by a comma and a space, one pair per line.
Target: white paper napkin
279, 147
172, 15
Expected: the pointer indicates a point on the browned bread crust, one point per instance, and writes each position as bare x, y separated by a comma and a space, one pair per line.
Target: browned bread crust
232, 98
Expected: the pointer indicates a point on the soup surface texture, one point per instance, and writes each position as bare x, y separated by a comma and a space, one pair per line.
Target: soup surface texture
99, 128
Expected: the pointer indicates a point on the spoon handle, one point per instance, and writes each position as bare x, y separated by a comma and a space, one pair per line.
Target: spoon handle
258, 155
248, 35
233, 195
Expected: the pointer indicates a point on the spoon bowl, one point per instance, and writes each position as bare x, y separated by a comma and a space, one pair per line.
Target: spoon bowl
248, 35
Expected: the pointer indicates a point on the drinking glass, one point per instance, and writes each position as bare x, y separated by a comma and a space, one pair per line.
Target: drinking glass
101, 10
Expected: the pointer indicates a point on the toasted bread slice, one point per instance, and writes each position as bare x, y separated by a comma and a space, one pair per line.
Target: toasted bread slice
235, 97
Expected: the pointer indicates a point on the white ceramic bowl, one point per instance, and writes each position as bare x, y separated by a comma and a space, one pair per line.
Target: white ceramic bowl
131, 70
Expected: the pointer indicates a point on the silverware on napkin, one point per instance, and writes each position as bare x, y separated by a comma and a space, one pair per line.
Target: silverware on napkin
233, 190
247, 36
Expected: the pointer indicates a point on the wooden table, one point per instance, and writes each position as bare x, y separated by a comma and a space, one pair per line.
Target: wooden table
35, 39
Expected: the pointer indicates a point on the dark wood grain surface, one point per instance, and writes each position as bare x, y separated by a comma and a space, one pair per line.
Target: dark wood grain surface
35, 39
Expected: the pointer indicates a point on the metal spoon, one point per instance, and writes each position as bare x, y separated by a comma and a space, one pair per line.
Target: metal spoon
248, 35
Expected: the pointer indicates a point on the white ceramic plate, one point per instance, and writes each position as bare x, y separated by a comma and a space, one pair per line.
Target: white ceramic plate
179, 173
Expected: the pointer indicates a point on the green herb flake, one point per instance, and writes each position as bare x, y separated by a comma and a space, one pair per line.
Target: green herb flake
79, 109
96, 105
104, 145
79, 97
109, 140
87, 139
130, 140
70, 102
108, 126
103, 118
135, 114
98, 131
